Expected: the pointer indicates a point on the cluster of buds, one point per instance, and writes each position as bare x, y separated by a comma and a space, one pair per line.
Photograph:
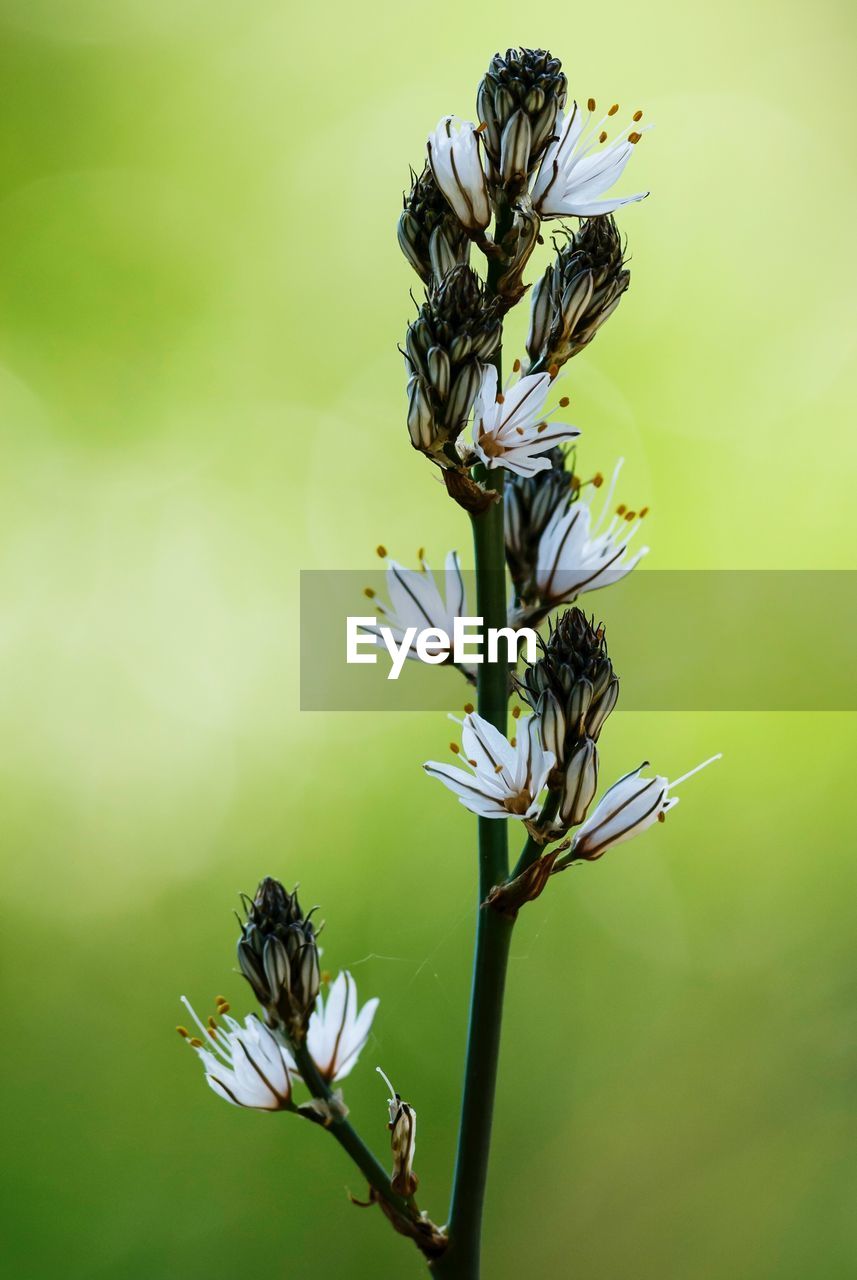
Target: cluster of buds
519, 98
455, 333
572, 689
530, 503
577, 293
430, 235
278, 955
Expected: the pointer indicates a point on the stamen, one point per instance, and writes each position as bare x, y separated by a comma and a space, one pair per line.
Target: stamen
386, 1079
638, 115
543, 426
196, 1043
369, 593
644, 511
516, 712
469, 708
454, 748
564, 402
183, 1032
223, 1007
479, 129
516, 367
220, 1000
613, 109
591, 104
212, 1024
630, 515
553, 371
513, 742
602, 137
474, 764
662, 817
684, 777
621, 509
498, 768
597, 480
421, 554
381, 551
519, 430
634, 138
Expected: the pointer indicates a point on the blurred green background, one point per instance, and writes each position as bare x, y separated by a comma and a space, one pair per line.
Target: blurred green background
200, 394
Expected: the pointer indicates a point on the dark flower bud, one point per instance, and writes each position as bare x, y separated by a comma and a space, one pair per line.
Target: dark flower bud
455, 334
572, 688
530, 502
278, 955
518, 101
577, 293
430, 236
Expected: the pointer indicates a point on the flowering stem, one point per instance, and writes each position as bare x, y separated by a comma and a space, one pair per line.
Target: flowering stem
403, 1213
493, 932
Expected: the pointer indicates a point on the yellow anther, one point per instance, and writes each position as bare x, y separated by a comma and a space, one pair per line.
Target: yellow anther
564, 402
369, 593
602, 137
473, 764
520, 430
553, 371
421, 554
513, 742
638, 115
212, 1024
591, 104
196, 1042
516, 367
543, 426
381, 551
662, 817
516, 712
597, 480
621, 509
498, 768
324, 977
630, 515
223, 1007
501, 399
454, 748
183, 1032
574, 483
468, 708
634, 138
613, 109
220, 1000
644, 511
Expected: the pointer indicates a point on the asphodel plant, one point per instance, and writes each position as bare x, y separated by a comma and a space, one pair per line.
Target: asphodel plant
542, 538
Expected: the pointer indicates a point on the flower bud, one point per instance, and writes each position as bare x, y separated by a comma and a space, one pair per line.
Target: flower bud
456, 332
430, 236
577, 293
278, 955
403, 1141
530, 502
526, 83
580, 783
572, 689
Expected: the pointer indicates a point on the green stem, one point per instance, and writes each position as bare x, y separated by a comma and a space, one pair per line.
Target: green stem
460, 1261
405, 1211
493, 933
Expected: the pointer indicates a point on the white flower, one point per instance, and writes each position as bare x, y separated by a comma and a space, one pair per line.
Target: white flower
246, 1064
632, 804
415, 601
503, 781
337, 1030
578, 169
574, 555
453, 153
510, 429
